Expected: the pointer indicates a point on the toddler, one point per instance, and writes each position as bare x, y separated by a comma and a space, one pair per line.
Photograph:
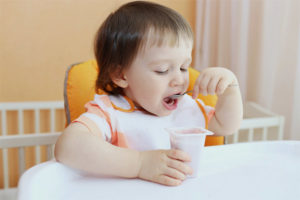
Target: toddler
143, 51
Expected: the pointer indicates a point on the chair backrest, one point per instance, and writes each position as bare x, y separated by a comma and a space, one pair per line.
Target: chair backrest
79, 88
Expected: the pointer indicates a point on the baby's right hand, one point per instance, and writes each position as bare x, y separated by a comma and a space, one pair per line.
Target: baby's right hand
166, 167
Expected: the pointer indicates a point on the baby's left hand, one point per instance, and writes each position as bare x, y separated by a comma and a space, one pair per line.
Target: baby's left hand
214, 80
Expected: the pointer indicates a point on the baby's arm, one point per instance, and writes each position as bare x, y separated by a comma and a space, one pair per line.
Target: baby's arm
229, 108
79, 148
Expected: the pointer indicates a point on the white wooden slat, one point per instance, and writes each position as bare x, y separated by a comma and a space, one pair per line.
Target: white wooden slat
25, 140
21, 151
3, 124
52, 120
236, 137
37, 120
250, 135
21, 160
20, 122
265, 134
37, 130
260, 122
5, 167
31, 105
281, 128
50, 151
4, 150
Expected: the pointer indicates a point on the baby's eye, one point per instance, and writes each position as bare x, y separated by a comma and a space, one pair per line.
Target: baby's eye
183, 69
161, 72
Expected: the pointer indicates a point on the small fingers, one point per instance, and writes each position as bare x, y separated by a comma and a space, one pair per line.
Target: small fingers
196, 87
214, 80
203, 83
169, 181
178, 155
212, 86
180, 166
174, 173
222, 85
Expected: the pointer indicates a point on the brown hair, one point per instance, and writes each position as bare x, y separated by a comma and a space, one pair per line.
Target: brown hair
126, 30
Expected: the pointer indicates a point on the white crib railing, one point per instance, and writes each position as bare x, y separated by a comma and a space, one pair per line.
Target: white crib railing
20, 140
259, 122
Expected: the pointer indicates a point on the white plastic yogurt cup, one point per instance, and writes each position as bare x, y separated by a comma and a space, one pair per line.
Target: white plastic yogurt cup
190, 140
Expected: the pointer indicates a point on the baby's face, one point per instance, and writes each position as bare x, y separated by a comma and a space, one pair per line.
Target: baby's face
157, 73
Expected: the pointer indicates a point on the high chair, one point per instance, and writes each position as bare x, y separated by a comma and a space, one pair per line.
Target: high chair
79, 88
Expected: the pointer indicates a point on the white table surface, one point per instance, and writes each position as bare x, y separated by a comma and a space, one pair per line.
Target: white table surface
261, 170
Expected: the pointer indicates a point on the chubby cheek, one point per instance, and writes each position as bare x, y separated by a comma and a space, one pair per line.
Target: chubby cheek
143, 93
151, 97
186, 81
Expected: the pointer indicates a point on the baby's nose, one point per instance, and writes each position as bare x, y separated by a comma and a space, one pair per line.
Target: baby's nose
178, 79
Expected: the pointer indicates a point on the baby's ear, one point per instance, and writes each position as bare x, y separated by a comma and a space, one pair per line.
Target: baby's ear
119, 79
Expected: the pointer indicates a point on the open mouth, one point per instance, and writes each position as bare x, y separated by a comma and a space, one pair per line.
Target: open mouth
170, 103
169, 100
